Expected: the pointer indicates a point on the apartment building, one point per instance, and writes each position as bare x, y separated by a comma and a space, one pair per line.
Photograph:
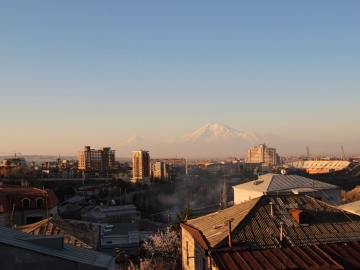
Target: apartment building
160, 170
91, 159
141, 165
262, 154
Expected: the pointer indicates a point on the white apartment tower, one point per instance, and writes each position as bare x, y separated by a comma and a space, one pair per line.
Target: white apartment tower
141, 165
262, 154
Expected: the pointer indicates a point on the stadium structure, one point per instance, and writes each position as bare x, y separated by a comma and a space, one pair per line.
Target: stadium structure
321, 166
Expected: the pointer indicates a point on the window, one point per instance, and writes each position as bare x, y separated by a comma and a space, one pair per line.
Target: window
39, 202
25, 202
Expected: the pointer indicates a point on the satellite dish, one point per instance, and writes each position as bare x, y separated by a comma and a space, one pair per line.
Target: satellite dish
283, 171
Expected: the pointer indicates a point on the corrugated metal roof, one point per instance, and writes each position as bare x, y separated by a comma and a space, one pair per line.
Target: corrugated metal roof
327, 256
271, 183
353, 207
72, 253
214, 227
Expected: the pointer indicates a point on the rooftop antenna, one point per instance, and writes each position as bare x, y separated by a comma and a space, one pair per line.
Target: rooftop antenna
308, 152
186, 167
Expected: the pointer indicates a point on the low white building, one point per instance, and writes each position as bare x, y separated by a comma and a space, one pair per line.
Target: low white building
272, 184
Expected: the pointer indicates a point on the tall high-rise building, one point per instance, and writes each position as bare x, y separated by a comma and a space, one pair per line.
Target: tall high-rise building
141, 165
91, 159
262, 154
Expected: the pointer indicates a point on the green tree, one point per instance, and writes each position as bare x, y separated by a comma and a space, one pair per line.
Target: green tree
182, 215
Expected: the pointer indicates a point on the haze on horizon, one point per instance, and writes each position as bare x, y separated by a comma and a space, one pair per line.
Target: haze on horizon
76, 73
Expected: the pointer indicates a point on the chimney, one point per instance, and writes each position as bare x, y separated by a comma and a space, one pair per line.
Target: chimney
271, 209
230, 239
281, 231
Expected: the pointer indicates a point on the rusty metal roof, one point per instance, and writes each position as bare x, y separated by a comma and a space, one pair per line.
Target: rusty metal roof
326, 256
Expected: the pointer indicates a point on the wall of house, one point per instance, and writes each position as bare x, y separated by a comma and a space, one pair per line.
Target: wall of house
15, 258
193, 254
187, 250
242, 195
330, 196
22, 218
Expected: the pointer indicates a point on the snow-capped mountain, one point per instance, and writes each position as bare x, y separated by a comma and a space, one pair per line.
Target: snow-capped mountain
214, 133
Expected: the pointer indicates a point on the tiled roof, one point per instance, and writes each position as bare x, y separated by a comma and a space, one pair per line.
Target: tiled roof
10, 195
327, 256
353, 207
213, 226
75, 233
196, 234
326, 224
254, 225
69, 252
271, 183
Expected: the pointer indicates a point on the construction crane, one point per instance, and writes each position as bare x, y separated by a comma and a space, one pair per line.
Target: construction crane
343, 152
15, 153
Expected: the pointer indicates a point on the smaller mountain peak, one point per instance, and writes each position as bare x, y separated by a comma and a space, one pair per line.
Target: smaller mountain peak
133, 139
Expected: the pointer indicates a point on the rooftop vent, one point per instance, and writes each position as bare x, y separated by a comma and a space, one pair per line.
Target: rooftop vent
300, 216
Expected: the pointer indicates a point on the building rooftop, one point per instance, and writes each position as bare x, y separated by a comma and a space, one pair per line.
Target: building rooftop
12, 195
273, 183
326, 256
75, 233
253, 225
353, 207
321, 164
72, 253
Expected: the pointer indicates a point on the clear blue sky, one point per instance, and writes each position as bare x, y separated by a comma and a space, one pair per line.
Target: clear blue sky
75, 73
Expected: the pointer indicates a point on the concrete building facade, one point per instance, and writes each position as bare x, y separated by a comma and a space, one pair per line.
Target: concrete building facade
91, 159
141, 165
262, 154
160, 170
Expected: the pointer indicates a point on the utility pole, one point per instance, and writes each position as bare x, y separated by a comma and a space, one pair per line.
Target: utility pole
168, 216
11, 216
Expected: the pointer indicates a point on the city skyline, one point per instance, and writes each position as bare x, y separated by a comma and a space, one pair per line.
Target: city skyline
97, 73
